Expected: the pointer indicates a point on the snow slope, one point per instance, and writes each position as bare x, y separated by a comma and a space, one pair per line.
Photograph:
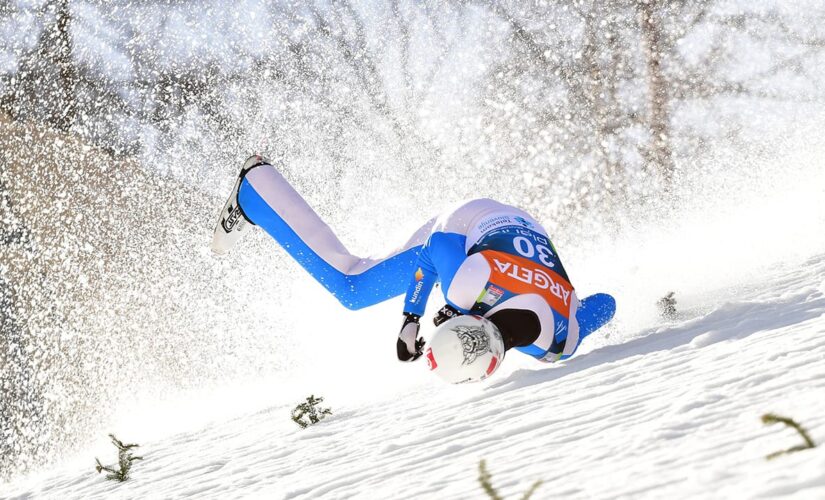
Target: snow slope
646, 409
672, 412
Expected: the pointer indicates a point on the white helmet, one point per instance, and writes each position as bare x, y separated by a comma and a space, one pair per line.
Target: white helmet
465, 349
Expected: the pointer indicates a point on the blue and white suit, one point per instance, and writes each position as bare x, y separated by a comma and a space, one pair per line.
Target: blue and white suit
483, 252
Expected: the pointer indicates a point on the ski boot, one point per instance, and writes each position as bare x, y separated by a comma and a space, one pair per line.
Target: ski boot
232, 221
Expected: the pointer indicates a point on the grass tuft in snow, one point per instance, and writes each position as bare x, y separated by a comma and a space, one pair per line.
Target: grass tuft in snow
124, 459
667, 306
770, 418
309, 410
485, 479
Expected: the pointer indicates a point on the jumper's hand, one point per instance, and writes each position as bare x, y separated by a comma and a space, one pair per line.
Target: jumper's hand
445, 313
409, 346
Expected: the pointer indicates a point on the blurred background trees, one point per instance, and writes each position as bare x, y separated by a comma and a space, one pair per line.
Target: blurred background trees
590, 98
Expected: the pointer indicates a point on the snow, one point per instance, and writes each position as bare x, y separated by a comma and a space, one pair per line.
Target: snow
673, 411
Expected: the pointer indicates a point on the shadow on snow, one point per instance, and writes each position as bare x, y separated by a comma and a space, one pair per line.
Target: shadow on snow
731, 321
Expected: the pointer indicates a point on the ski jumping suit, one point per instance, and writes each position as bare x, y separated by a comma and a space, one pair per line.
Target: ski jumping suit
488, 256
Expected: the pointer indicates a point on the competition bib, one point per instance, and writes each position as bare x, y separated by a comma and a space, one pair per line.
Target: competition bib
524, 261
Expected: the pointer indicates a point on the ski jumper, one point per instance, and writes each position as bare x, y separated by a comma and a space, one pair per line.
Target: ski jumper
488, 256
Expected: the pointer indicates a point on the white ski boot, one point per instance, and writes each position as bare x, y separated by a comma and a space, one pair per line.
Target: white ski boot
232, 221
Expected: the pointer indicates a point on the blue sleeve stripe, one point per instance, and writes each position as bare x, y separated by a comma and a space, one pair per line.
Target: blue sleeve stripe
447, 254
382, 280
439, 259
419, 288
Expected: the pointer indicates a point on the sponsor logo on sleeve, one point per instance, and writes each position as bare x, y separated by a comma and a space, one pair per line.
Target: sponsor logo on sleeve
419, 284
416, 292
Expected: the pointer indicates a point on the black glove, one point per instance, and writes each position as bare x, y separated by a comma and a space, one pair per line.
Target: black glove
445, 313
409, 346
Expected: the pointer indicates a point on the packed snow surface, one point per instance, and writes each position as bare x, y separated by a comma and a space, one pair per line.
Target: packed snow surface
672, 412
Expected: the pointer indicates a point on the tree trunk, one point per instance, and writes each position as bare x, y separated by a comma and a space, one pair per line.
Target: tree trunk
661, 154
47, 83
66, 102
